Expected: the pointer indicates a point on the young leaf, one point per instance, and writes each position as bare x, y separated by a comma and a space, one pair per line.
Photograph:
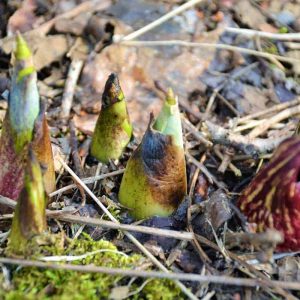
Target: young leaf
113, 130
154, 182
272, 200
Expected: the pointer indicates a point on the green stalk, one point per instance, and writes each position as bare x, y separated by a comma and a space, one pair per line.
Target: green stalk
24, 100
154, 182
24, 122
30, 215
113, 130
17, 131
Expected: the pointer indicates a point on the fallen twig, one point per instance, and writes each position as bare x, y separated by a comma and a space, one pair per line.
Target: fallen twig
248, 145
204, 170
254, 33
71, 81
226, 162
195, 132
208, 45
87, 181
152, 274
272, 109
159, 21
264, 126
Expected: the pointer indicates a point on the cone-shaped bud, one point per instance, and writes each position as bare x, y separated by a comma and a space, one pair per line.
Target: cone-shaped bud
113, 130
154, 182
23, 108
42, 149
30, 215
272, 200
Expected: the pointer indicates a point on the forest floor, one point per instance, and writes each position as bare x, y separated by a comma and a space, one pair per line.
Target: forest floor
235, 66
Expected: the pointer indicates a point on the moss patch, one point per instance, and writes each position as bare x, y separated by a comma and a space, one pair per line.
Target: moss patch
34, 283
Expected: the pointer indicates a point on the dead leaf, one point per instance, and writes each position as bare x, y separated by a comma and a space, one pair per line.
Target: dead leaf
289, 269
61, 151
85, 123
49, 49
247, 99
119, 292
75, 25
23, 18
248, 14
216, 213
296, 65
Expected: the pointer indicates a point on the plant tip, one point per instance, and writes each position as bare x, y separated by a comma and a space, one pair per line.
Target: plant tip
22, 50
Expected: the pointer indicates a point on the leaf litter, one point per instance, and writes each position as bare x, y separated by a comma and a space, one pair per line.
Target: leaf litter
219, 86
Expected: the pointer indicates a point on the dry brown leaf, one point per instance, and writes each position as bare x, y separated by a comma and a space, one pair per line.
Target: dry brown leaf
85, 123
289, 269
254, 100
248, 14
119, 292
49, 49
23, 18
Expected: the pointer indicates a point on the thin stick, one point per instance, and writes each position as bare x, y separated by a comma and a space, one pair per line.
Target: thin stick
254, 33
204, 170
72, 78
256, 123
228, 104
224, 280
129, 235
195, 132
237, 172
87, 181
264, 126
209, 45
251, 146
274, 108
160, 20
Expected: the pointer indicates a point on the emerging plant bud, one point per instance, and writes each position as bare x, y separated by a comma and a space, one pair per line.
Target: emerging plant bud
30, 214
272, 200
154, 182
42, 149
113, 130
17, 130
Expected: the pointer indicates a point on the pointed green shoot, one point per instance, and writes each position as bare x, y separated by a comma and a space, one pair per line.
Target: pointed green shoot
22, 51
113, 130
30, 214
24, 97
154, 182
168, 121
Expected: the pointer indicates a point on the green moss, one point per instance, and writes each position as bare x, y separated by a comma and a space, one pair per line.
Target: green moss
272, 49
283, 29
43, 284
158, 289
